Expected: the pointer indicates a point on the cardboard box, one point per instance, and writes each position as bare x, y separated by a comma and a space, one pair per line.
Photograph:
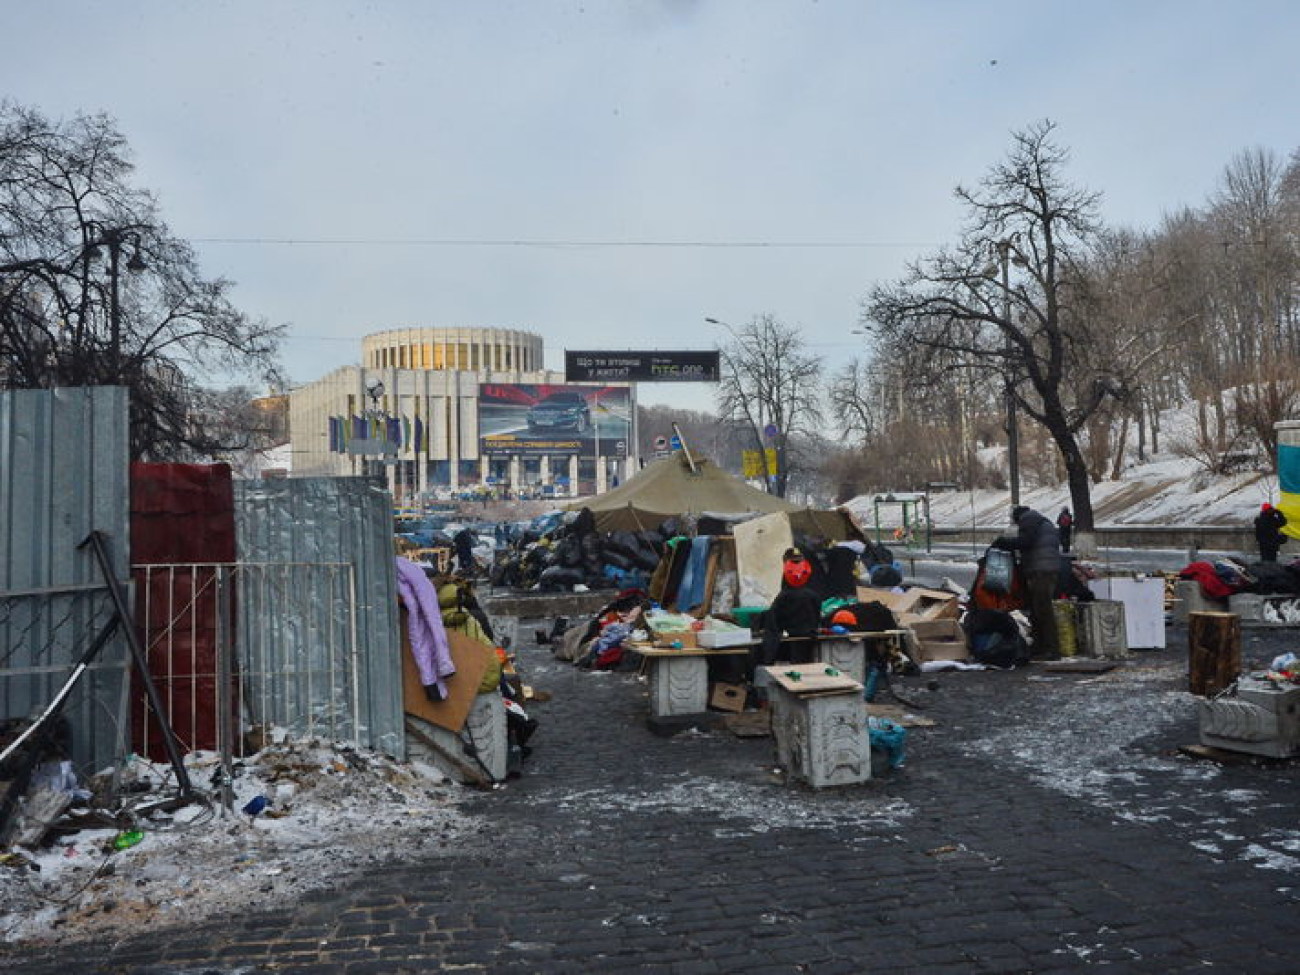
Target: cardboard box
728, 697
913, 604
942, 639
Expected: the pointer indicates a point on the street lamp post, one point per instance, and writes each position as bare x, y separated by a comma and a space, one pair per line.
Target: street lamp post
375, 390
113, 238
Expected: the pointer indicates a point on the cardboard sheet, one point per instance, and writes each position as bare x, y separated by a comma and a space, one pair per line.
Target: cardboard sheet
471, 658
760, 543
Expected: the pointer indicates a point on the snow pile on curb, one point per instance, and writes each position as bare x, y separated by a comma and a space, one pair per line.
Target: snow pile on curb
332, 810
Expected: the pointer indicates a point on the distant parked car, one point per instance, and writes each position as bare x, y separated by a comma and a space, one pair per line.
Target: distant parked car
565, 410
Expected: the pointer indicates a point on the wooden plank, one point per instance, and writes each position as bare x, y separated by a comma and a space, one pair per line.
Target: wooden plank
804, 680
42, 808
899, 715
749, 724
1227, 757
648, 651
1080, 665
470, 771
710, 579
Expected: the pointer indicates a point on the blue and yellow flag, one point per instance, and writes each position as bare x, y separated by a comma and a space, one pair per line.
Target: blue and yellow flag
1288, 479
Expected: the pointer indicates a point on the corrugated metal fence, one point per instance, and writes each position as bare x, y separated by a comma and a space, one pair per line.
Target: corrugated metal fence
63, 474
307, 616
327, 521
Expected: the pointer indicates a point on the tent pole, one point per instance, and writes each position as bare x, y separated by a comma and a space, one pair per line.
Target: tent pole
685, 449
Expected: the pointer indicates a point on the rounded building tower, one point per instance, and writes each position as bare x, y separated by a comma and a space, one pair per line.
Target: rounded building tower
442, 411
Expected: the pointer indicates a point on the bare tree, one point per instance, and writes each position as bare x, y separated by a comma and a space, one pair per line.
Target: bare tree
1013, 295
770, 388
94, 290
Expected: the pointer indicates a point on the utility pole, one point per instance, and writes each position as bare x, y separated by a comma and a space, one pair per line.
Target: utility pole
1013, 433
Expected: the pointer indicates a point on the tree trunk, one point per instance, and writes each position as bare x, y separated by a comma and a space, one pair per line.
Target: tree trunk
1117, 465
1142, 432
1076, 476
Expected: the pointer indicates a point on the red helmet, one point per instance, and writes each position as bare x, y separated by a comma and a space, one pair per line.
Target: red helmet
797, 572
844, 617
1265, 507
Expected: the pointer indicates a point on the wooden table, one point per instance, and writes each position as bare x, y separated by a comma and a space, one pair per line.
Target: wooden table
679, 678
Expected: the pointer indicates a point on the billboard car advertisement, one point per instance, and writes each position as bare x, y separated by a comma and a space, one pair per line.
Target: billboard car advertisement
530, 420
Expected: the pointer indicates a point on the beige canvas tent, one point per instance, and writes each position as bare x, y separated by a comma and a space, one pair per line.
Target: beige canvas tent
676, 486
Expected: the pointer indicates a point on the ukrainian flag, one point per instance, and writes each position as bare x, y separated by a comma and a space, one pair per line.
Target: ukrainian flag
1288, 479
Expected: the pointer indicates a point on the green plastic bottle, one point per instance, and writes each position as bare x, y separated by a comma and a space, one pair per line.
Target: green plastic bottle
127, 838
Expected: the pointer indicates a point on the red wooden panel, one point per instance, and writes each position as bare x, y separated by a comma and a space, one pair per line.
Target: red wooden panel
180, 513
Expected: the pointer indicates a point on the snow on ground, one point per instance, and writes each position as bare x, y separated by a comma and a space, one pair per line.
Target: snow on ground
332, 810
1170, 491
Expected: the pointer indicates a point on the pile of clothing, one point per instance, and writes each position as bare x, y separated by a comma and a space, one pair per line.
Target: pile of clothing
1226, 577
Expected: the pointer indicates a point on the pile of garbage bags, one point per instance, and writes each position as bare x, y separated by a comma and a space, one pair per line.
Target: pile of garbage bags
564, 552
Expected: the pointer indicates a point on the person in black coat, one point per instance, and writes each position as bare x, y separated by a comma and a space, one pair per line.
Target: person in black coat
1268, 532
1065, 528
1038, 548
464, 541
795, 612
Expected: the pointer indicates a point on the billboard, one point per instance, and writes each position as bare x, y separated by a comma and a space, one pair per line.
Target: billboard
534, 419
642, 367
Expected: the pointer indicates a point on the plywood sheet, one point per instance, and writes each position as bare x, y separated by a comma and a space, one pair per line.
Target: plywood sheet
760, 543
808, 679
471, 659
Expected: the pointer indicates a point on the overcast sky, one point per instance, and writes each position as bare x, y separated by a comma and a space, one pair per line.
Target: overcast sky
609, 174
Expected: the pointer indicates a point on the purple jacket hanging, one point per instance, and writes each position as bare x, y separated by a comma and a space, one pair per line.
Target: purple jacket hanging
424, 625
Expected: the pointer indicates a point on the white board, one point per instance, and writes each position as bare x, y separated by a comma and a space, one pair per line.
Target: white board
1144, 608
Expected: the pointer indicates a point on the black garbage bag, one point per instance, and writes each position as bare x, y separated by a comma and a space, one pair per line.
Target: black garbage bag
995, 639
557, 578
1272, 579
873, 617
567, 553
624, 543
618, 559
886, 576
584, 523
590, 546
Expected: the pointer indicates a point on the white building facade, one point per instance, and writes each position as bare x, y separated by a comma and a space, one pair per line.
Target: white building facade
446, 411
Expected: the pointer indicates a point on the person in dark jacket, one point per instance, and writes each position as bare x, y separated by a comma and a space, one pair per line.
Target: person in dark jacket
1065, 528
1038, 549
1268, 532
464, 541
795, 612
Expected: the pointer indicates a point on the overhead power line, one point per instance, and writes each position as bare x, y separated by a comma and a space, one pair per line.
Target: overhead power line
540, 243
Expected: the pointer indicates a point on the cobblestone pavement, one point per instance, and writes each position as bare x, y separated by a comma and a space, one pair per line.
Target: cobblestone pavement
1045, 823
